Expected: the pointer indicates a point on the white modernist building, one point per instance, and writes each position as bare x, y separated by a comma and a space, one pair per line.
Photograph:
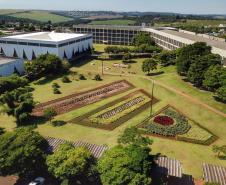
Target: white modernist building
29, 46
9, 66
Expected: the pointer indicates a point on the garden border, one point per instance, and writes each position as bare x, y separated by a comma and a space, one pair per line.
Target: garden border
81, 119
176, 138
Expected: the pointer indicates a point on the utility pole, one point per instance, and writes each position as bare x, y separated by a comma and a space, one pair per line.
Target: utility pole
102, 67
152, 97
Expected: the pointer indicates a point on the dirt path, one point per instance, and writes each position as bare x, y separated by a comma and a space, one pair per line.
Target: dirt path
172, 89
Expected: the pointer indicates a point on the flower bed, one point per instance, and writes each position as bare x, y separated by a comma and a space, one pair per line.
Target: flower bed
180, 127
163, 120
117, 112
197, 135
78, 100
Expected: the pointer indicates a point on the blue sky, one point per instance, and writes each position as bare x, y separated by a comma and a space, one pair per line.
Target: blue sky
179, 6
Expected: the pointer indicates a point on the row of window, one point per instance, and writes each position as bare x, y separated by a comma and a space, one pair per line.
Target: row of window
169, 40
88, 30
46, 45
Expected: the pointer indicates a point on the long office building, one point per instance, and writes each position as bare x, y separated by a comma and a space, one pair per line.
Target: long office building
168, 38
29, 46
104, 34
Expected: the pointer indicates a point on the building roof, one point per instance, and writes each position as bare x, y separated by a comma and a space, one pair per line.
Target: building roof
6, 60
169, 167
196, 38
44, 36
214, 173
96, 150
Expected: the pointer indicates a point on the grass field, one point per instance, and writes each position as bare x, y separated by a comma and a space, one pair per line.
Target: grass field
42, 16
114, 22
214, 23
191, 155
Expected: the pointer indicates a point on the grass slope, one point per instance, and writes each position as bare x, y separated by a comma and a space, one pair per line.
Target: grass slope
42, 16
114, 22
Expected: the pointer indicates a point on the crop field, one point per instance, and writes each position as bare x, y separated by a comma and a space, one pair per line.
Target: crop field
117, 112
114, 22
42, 16
169, 122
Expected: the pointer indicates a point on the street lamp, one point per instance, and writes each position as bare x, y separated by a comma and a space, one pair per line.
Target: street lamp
152, 97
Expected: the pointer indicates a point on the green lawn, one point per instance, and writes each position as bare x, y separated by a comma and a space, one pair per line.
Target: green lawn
191, 155
42, 16
114, 22
9, 11
214, 23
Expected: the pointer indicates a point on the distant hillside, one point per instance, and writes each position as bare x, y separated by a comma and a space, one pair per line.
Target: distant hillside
42, 16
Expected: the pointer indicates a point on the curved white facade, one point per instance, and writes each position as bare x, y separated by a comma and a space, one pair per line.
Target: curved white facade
29, 46
9, 65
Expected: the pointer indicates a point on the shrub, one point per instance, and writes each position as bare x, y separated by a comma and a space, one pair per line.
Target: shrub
82, 77
65, 79
58, 123
2, 130
55, 85
49, 113
56, 91
12, 82
97, 77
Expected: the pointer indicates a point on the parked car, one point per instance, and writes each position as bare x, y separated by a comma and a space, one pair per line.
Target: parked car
38, 181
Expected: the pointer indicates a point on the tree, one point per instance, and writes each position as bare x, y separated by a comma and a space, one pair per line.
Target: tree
69, 162
212, 77
143, 38
18, 103
97, 77
2, 130
126, 57
167, 58
190, 53
149, 65
43, 65
12, 82
221, 93
125, 165
49, 114
133, 136
219, 150
199, 66
22, 152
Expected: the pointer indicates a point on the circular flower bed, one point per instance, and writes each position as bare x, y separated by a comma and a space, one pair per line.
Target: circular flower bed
164, 120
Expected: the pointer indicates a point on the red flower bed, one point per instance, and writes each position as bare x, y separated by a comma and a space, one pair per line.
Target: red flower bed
164, 120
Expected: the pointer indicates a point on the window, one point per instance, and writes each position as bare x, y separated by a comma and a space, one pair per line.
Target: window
11, 42
63, 44
33, 44
22, 43
48, 45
